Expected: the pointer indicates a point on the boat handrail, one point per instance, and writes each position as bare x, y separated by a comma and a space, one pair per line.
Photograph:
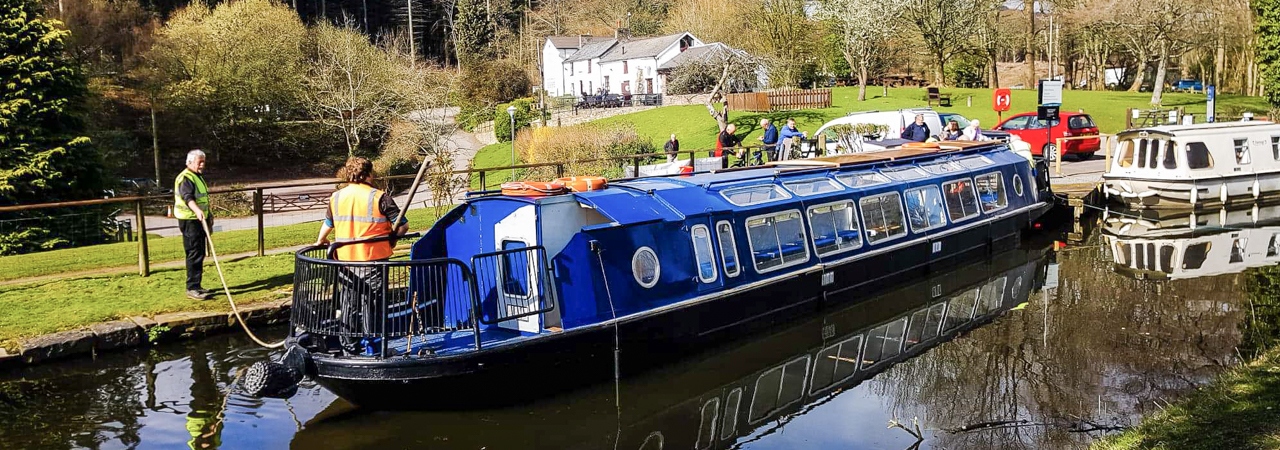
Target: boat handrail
512, 299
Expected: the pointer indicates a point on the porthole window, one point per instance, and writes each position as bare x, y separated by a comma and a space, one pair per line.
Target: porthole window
645, 267
1017, 185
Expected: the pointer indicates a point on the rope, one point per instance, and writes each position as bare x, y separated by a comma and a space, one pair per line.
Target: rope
208, 236
617, 382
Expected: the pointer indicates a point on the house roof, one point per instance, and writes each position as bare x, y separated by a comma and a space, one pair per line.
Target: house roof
641, 48
592, 50
699, 53
567, 42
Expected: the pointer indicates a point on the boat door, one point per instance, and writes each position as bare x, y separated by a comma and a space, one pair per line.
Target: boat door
517, 286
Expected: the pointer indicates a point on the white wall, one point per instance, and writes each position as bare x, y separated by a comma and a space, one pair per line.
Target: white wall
577, 72
552, 77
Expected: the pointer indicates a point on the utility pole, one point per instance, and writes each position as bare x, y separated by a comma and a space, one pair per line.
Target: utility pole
1030, 6
155, 142
413, 56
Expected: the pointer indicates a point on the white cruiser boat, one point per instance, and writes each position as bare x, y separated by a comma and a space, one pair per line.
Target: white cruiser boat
1180, 166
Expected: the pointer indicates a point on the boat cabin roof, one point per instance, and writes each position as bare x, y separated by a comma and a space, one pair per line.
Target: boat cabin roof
1202, 129
667, 198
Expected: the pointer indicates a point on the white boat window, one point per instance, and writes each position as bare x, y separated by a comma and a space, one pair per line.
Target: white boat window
925, 210
991, 191
1198, 156
1241, 147
702, 253
1170, 155
1275, 147
974, 162
728, 249
861, 179
812, 186
1126, 153
905, 173
777, 240
883, 217
1272, 248
707, 427
835, 363
1237, 250
962, 201
1154, 155
942, 167
729, 424
645, 267
754, 195
834, 228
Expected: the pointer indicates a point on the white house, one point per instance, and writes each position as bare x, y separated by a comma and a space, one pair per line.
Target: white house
618, 65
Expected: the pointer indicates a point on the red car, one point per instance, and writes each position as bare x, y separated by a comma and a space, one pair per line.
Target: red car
1032, 130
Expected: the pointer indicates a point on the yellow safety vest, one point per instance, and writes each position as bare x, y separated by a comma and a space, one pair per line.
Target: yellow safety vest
357, 216
180, 209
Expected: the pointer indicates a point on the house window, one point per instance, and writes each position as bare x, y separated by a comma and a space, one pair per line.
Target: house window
728, 249
624, 67
834, 228
588, 66
1198, 156
606, 80
991, 191
777, 240
925, 209
962, 202
1242, 151
882, 215
702, 253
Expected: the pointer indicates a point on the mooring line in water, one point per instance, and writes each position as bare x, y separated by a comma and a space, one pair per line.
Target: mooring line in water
617, 376
208, 237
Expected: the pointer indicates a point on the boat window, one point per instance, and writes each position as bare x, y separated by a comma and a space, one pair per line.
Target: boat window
905, 173
835, 363
1275, 147
962, 202
1237, 250
1126, 153
1166, 258
1017, 185
515, 269
707, 426
924, 208
990, 191
882, 215
729, 424
942, 167
834, 228
974, 162
728, 249
884, 342
1121, 253
1241, 147
1170, 155
960, 309
1142, 152
1154, 155
645, 267
812, 186
778, 388
1198, 156
990, 296
861, 179
1272, 248
754, 195
702, 253
1194, 256
777, 240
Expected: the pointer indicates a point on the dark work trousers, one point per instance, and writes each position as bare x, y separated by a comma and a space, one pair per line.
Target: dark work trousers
193, 243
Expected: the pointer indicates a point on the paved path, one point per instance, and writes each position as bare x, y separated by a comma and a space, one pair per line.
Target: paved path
1077, 172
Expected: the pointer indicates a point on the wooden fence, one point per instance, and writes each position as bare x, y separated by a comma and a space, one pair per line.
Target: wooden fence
784, 100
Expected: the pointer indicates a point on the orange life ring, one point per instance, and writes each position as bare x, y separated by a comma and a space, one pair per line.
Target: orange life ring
583, 184
920, 145
532, 188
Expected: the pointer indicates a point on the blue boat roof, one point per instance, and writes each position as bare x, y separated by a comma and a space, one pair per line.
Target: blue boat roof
671, 198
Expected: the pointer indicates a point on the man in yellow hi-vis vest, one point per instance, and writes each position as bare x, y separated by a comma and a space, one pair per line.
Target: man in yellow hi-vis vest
190, 206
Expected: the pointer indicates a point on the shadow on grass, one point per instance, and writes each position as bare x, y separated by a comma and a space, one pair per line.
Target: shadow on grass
265, 284
748, 123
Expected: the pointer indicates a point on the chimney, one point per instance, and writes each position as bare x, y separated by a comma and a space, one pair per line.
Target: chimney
582, 40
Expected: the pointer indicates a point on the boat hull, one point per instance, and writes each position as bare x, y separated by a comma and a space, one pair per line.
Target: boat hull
510, 373
1177, 194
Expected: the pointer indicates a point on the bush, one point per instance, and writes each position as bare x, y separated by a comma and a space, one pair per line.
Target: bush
493, 82
577, 143
525, 115
967, 71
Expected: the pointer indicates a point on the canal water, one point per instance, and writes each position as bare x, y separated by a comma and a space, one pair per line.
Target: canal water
1030, 348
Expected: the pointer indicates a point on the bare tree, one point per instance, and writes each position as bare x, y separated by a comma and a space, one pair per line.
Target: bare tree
940, 23
351, 83
864, 29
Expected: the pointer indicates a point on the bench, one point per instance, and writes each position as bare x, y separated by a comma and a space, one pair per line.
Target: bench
934, 95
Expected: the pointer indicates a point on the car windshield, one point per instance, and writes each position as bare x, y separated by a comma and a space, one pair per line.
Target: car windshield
960, 120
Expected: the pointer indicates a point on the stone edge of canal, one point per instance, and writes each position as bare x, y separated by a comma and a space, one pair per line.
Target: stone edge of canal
139, 331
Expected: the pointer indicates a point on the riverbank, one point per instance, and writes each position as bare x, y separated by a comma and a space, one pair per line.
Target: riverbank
1240, 410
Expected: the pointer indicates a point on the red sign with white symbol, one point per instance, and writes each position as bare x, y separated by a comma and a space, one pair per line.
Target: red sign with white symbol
1001, 100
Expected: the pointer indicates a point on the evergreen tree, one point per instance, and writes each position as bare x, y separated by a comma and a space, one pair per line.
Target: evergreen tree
1268, 35
473, 31
43, 155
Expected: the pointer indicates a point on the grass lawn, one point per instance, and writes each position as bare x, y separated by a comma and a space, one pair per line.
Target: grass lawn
125, 254
1241, 410
39, 308
695, 129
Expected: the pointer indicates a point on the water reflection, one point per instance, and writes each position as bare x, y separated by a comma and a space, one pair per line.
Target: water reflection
1190, 244
1045, 350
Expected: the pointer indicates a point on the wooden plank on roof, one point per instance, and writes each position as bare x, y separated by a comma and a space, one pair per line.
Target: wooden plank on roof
882, 155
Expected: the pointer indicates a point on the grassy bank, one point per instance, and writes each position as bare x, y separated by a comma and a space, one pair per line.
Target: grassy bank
125, 254
696, 130
1241, 410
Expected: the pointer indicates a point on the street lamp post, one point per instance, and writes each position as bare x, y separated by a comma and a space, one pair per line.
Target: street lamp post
511, 111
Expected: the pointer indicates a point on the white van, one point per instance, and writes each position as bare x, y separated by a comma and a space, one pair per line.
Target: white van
896, 121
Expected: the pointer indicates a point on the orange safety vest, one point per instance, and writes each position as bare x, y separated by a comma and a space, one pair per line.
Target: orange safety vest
357, 216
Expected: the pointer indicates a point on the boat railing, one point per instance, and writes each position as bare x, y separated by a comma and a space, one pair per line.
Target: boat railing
513, 284
376, 301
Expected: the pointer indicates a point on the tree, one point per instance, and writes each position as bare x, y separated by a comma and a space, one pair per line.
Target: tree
351, 83
43, 155
473, 31
718, 71
786, 39
1268, 47
941, 24
863, 28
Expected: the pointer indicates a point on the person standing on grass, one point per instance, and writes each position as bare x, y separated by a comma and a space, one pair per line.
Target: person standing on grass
672, 147
770, 141
190, 207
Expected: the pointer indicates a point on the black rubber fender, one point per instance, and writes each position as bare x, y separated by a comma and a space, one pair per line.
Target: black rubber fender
270, 379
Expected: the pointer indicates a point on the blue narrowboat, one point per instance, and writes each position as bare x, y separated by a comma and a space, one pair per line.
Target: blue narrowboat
505, 293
